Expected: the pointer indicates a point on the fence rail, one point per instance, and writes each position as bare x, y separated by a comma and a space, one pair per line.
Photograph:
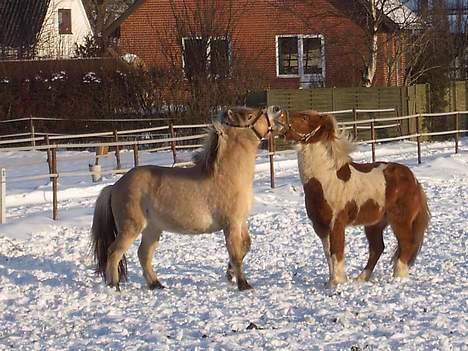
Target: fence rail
173, 143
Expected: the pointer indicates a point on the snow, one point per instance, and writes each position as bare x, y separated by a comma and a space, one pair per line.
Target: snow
50, 298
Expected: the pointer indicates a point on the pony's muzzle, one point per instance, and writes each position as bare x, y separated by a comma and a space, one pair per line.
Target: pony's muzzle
280, 119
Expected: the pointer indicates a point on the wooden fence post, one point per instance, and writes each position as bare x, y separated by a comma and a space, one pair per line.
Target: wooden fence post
355, 125
173, 143
418, 138
271, 150
373, 140
457, 127
117, 150
33, 138
54, 184
2, 195
135, 155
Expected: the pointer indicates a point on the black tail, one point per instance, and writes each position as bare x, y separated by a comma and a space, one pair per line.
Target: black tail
103, 234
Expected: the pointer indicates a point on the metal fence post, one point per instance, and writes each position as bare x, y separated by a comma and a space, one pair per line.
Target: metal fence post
271, 150
457, 127
135, 155
117, 150
2, 195
33, 138
49, 154
54, 185
355, 125
173, 143
373, 140
418, 138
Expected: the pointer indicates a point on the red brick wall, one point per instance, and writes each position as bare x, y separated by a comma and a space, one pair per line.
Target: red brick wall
144, 31
391, 62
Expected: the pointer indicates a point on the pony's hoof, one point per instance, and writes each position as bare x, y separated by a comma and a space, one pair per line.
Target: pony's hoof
156, 285
400, 270
114, 286
229, 276
229, 273
333, 283
364, 276
243, 285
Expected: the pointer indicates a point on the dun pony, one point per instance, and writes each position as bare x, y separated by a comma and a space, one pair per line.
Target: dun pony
215, 194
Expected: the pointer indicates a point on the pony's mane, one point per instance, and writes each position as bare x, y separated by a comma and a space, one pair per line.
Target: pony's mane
341, 146
207, 157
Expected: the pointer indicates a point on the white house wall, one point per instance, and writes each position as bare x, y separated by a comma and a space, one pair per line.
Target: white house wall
53, 44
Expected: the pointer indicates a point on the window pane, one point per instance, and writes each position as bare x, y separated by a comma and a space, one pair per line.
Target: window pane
64, 21
195, 57
288, 55
312, 55
219, 57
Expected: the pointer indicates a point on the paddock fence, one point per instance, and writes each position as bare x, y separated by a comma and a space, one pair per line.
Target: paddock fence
173, 138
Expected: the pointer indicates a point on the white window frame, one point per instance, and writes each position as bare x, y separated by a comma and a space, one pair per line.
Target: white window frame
300, 58
208, 50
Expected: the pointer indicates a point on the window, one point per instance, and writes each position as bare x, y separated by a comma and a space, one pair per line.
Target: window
210, 57
301, 56
312, 55
64, 21
288, 55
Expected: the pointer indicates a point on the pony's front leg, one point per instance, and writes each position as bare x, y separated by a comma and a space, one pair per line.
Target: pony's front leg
246, 243
337, 267
326, 250
237, 244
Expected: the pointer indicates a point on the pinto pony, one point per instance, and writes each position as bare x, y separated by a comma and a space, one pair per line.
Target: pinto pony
339, 192
215, 194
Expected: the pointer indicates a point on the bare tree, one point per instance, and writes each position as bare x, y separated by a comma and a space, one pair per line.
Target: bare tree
388, 26
458, 18
201, 53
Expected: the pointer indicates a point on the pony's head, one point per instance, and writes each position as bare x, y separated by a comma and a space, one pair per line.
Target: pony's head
259, 121
306, 127
247, 123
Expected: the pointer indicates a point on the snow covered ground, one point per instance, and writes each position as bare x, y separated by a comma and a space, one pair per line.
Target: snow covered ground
50, 298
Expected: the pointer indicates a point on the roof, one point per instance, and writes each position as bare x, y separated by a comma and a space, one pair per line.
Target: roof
21, 22
394, 10
116, 24
399, 13
396, 13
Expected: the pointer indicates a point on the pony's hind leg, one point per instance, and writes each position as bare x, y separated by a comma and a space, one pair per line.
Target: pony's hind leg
405, 251
246, 243
149, 243
237, 248
116, 252
374, 234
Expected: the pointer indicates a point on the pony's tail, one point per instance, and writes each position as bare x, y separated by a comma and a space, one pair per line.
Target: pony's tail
103, 234
419, 227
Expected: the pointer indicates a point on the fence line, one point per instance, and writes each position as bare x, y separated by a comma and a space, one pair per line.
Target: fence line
368, 124
84, 119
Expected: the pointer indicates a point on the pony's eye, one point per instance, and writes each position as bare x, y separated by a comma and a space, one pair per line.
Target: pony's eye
251, 116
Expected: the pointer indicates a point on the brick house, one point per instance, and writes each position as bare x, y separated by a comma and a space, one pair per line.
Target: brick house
293, 44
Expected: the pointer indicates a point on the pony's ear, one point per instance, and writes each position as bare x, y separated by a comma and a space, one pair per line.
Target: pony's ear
228, 115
